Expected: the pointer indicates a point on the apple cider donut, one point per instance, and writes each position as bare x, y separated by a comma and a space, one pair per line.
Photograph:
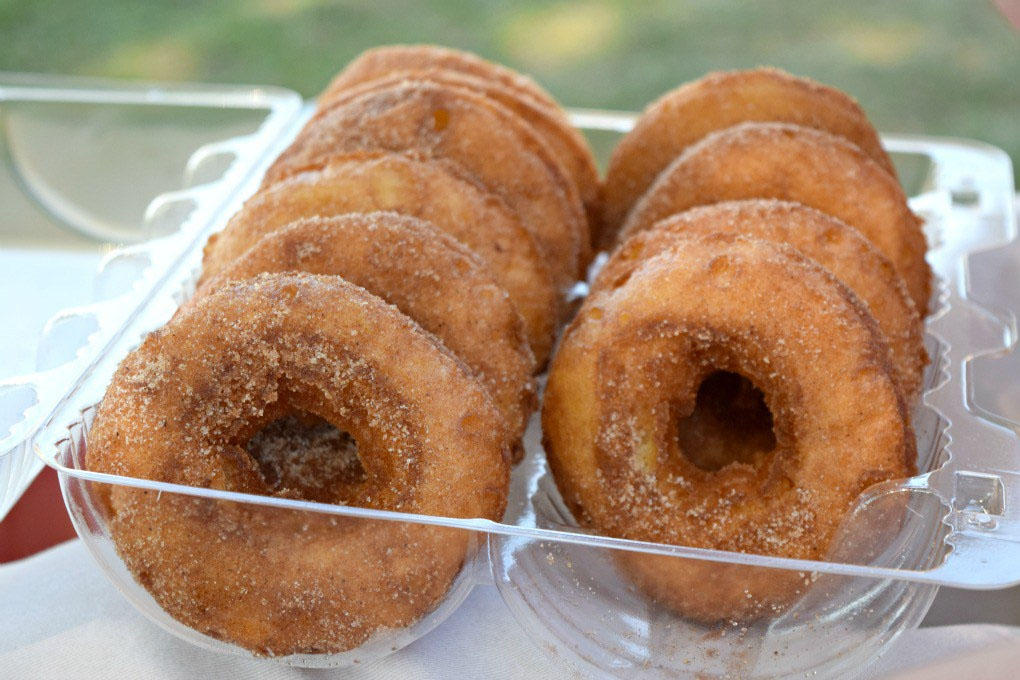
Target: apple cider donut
382, 61
476, 138
625, 381
424, 273
367, 182
564, 140
181, 408
789, 162
719, 100
822, 238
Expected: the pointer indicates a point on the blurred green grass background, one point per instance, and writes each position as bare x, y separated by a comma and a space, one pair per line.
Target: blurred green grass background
941, 67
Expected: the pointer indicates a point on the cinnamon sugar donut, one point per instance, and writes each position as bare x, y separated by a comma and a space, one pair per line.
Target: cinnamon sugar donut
789, 162
625, 381
719, 100
822, 238
366, 182
181, 408
551, 124
474, 137
428, 276
382, 61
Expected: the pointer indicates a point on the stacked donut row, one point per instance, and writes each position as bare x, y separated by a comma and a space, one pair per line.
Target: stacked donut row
366, 331
745, 364
483, 155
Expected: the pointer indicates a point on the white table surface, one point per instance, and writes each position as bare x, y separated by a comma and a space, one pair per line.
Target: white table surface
61, 618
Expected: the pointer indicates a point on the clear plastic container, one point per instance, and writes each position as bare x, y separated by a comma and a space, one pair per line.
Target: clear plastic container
80, 163
956, 523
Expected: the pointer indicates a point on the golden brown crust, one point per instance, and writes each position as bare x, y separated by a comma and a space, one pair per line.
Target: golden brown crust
564, 140
820, 237
717, 101
626, 376
381, 61
789, 162
182, 406
476, 137
425, 274
713, 592
364, 182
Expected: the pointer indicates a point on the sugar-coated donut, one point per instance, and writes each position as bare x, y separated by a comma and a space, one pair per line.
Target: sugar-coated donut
478, 137
823, 238
789, 162
182, 407
381, 61
625, 381
564, 140
425, 274
719, 100
366, 182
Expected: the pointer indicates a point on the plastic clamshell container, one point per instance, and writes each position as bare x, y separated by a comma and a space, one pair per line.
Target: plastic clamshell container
75, 181
956, 523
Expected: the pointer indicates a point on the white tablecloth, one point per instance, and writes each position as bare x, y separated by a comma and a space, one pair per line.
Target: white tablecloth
61, 618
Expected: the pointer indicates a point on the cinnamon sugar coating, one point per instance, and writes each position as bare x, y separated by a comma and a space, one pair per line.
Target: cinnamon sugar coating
182, 407
476, 137
366, 182
424, 273
794, 163
623, 386
381, 61
567, 144
719, 100
831, 243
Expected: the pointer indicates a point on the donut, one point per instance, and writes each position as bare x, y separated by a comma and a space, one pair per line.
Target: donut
789, 162
566, 143
719, 100
366, 182
624, 386
476, 138
181, 408
382, 61
424, 273
826, 240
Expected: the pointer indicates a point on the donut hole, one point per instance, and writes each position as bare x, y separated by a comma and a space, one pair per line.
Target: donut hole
306, 456
730, 423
